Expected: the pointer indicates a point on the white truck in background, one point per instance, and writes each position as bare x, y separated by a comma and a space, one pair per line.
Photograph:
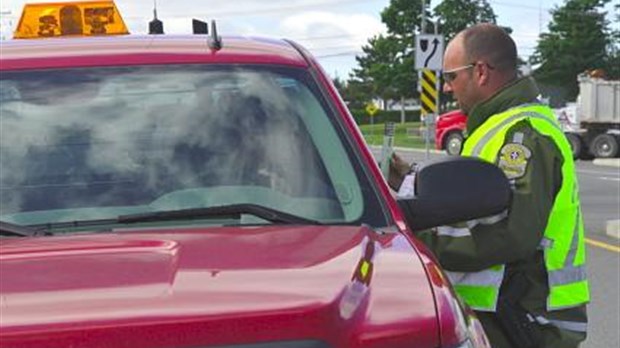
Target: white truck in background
592, 124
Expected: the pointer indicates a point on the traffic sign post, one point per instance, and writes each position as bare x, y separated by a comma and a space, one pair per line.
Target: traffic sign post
429, 95
386, 149
429, 99
429, 61
371, 110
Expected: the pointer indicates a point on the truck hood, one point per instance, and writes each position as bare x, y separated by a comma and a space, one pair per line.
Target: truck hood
338, 284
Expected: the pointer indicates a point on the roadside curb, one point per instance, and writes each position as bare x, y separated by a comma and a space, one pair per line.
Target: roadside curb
613, 228
409, 149
608, 162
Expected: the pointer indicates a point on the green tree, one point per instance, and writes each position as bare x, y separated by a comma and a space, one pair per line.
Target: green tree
355, 93
339, 84
403, 18
384, 67
456, 15
378, 64
388, 61
579, 39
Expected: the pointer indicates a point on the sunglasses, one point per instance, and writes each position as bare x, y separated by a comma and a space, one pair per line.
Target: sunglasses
450, 75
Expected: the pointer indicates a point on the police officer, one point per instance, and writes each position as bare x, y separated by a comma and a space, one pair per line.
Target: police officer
523, 272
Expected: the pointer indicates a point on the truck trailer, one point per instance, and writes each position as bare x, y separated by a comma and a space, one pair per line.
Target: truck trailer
595, 128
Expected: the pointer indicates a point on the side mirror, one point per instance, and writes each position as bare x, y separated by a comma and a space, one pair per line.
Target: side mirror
455, 190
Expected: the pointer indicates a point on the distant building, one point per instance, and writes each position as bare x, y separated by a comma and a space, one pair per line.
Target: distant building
409, 104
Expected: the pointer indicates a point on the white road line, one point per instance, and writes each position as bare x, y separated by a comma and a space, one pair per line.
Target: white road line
609, 179
592, 172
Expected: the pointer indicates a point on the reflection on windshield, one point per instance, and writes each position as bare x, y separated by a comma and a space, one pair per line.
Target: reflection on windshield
98, 143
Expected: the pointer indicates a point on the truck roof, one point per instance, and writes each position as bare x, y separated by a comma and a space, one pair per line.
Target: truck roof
151, 49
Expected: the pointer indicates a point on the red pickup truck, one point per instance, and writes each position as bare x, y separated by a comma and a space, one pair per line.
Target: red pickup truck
206, 191
449, 131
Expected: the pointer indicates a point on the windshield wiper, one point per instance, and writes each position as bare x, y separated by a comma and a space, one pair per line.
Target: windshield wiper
233, 211
9, 229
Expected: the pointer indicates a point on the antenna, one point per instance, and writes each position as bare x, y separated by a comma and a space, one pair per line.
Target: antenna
156, 27
214, 41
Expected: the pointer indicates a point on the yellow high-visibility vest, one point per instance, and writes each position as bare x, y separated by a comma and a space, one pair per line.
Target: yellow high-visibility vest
563, 241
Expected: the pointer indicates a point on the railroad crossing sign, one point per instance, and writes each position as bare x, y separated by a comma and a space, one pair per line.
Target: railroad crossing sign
428, 92
371, 109
428, 52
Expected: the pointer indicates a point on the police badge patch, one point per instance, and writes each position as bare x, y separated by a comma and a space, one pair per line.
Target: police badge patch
513, 160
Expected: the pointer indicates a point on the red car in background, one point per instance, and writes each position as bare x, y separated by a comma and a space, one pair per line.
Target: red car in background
205, 191
449, 131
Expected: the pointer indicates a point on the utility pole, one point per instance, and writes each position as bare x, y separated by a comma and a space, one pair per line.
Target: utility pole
539, 17
429, 51
423, 26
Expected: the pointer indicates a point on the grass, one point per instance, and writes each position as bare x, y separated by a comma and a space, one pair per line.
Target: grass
373, 134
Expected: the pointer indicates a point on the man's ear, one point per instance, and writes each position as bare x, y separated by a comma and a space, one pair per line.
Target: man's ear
482, 72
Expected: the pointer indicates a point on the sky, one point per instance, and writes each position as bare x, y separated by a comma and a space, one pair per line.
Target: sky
333, 30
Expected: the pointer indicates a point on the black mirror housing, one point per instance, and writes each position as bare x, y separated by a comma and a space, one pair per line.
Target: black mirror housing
455, 189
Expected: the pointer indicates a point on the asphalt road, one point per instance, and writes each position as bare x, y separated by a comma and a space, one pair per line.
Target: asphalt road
600, 202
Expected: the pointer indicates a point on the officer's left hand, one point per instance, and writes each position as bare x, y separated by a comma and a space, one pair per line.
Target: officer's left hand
398, 170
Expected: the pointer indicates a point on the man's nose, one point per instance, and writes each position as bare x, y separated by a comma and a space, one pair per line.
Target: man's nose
447, 88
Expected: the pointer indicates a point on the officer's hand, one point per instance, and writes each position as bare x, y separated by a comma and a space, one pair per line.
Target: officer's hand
398, 170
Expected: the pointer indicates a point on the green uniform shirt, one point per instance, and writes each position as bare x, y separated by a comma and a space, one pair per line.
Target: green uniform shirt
515, 240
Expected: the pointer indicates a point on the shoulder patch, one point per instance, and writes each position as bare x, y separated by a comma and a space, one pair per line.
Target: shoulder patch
513, 159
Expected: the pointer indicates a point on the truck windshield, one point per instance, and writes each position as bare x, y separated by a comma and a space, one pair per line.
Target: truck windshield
98, 143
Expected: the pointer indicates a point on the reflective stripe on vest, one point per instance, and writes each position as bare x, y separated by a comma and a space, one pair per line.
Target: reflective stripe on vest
564, 249
576, 326
480, 290
456, 232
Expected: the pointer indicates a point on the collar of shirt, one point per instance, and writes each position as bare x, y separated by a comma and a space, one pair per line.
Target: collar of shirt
521, 91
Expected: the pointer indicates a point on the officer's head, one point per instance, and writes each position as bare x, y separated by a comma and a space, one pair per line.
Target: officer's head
478, 62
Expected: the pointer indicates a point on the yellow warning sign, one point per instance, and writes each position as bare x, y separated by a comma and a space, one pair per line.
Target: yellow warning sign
429, 92
371, 109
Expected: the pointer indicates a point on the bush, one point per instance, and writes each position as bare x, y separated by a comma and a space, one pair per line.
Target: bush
382, 116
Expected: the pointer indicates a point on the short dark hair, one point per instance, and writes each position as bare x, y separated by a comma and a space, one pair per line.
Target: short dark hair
492, 44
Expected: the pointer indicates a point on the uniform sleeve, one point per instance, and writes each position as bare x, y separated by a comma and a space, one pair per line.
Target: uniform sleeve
516, 236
